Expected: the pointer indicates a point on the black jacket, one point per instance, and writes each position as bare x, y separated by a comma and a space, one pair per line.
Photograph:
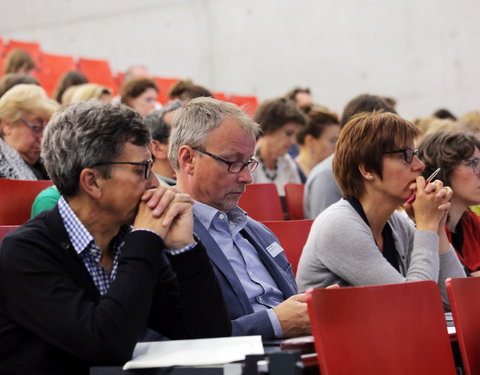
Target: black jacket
54, 321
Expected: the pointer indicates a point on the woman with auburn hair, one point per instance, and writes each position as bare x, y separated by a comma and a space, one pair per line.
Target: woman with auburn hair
362, 239
458, 156
140, 94
18, 61
24, 113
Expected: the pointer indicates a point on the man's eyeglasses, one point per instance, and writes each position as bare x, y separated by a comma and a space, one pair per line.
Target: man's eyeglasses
473, 163
146, 164
408, 154
233, 166
37, 130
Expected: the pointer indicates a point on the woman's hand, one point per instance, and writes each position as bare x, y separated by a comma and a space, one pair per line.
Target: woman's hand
431, 205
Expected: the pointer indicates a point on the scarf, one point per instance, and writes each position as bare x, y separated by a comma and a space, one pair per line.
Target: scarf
12, 166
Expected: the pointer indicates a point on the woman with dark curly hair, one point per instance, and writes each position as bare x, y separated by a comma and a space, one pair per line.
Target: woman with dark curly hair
280, 120
458, 156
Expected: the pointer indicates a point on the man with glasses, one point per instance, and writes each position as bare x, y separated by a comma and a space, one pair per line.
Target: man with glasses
79, 284
211, 148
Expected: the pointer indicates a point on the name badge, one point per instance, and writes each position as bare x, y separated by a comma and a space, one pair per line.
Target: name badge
274, 249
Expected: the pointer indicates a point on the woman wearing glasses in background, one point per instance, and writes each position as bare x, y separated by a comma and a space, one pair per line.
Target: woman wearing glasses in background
458, 156
24, 112
362, 239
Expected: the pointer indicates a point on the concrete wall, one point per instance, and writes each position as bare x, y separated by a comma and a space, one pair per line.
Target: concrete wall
424, 53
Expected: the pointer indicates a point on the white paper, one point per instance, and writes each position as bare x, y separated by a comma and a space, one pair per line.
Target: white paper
199, 352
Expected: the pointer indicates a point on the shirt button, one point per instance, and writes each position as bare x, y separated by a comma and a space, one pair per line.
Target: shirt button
221, 216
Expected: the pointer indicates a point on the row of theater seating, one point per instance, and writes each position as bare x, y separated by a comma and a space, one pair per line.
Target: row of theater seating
395, 329
51, 67
292, 234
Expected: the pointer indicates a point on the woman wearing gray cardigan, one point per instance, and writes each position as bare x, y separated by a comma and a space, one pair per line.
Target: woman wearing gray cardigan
362, 239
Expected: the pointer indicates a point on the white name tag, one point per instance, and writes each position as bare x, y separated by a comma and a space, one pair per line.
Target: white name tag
274, 249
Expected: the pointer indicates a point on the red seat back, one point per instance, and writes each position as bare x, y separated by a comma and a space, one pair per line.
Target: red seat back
164, 85
395, 329
98, 71
262, 202
247, 102
292, 235
33, 48
52, 68
294, 200
465, 303
16, 198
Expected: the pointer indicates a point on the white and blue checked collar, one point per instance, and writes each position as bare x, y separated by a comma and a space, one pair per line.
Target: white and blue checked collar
78, 234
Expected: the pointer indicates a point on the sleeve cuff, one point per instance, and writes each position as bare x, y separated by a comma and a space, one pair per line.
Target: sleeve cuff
277, 328
169, 251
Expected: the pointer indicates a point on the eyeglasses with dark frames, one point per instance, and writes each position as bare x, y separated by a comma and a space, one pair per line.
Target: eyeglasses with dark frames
474, 164
407, 152
37, 130
147, 164
233, 166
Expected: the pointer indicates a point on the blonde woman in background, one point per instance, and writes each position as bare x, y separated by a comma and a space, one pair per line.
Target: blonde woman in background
24, 112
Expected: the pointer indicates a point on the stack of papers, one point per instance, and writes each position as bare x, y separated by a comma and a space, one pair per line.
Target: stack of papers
199, 352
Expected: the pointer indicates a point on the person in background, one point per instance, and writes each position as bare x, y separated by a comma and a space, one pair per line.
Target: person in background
116, 255
443, 113
69, 79
12, 79
302, 97
89, 91
471, 121
317, 140
137, 71
362, 239
281, 121
18, 61
321, 189
160, 123
24, 113
185, 90
140, 94
211, 147
458, 156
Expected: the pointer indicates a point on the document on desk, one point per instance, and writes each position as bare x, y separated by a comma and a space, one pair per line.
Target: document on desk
198, 352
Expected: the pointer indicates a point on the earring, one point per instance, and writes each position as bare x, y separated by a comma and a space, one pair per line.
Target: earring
370, 177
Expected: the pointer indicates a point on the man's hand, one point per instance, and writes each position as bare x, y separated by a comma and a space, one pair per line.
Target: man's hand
169, 214
293, 316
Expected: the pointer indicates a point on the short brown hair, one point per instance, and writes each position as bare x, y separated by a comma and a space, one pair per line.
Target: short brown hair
17, 59
363, 141
446, 150
318, 120
135, 87
274, 113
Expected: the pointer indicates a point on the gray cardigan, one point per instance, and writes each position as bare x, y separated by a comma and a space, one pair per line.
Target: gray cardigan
341, 250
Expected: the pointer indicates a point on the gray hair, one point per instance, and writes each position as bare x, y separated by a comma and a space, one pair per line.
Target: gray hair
194, 122
156, 121
85, 134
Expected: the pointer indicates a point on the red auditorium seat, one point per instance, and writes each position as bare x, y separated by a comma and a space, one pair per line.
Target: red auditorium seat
248, 103
16, 198
52, 67
294, 200
98, 71
164, 85
33, 48
261, 202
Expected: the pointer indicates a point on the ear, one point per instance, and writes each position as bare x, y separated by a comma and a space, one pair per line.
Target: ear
366, 174
158, 149
308, 140
186, 159
6, 128
90, 182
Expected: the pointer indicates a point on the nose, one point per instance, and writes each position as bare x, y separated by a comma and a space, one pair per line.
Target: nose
417, 164
152, 181
245, 176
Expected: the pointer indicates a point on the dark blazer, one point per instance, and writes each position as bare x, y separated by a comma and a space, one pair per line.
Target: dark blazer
54, 321
244, 320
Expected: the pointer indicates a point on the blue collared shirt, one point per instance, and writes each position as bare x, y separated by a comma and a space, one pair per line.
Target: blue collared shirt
257, 282
88, 251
